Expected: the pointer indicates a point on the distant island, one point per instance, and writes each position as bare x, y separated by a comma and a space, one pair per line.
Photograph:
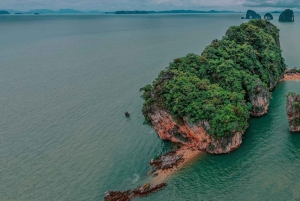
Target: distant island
168, 11
60, 11
3, 12
131, 12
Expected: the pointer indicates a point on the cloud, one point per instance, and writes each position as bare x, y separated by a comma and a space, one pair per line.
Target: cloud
273, 3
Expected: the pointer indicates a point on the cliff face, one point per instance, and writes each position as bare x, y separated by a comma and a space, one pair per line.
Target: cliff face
293, 112
287, 16
260, 100
193, 135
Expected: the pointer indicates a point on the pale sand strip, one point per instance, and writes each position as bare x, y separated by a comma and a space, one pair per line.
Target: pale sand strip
189, 155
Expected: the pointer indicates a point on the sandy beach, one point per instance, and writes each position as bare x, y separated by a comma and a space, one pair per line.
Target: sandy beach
189, 155
288, 77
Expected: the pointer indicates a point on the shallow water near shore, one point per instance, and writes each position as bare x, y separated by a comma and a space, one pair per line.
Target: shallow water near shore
66, 82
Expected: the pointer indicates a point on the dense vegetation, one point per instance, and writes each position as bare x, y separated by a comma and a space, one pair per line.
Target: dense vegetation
216, 85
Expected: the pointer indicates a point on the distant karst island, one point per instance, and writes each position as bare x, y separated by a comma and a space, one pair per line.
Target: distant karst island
268, 16
252, 15
168, 11
287, 16
3, 12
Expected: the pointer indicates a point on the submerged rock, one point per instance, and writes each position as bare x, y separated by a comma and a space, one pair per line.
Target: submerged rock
287, 16
147, 189
268, 16
127, 114
167, 161
142, 191
117, 196
293, 111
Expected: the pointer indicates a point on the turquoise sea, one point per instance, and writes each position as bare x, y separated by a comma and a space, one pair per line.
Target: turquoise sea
66, 81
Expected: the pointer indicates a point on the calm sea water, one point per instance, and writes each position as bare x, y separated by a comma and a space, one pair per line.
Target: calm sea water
66, 82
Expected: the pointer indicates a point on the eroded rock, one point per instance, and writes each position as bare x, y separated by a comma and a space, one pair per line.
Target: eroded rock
293, 111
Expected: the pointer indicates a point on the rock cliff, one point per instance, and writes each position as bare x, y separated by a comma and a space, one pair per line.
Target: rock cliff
287, 16
193, 135
293, 111
260, 100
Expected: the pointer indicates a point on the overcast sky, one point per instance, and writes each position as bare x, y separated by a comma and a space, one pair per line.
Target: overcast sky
112, 5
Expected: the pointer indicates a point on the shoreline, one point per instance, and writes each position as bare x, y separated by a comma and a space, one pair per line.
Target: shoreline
188, 155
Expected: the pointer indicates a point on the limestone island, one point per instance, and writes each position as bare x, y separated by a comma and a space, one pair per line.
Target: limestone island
293, 111
204, 102
287, 16
268, 16
252, 15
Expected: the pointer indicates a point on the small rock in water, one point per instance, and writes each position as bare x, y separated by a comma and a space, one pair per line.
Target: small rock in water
127, 114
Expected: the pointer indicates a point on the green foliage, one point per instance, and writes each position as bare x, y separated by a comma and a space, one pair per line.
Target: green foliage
290, 94
155, 158
216, 85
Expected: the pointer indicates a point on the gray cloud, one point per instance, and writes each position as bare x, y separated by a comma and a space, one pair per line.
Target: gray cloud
273, 3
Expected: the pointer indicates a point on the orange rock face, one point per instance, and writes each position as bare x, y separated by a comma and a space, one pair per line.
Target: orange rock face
193, 135
294, 76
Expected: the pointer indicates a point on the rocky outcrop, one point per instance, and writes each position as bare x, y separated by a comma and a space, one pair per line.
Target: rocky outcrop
128, 195
193, 135
252, 15
268, 16
287, 16
293, 111
260, 100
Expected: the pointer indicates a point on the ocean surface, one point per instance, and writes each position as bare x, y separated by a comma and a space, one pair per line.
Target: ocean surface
66, 81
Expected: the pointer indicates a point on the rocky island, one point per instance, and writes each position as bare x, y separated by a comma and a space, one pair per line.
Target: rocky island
268, 16
205, 101
287, 16
293, 111
252, 15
